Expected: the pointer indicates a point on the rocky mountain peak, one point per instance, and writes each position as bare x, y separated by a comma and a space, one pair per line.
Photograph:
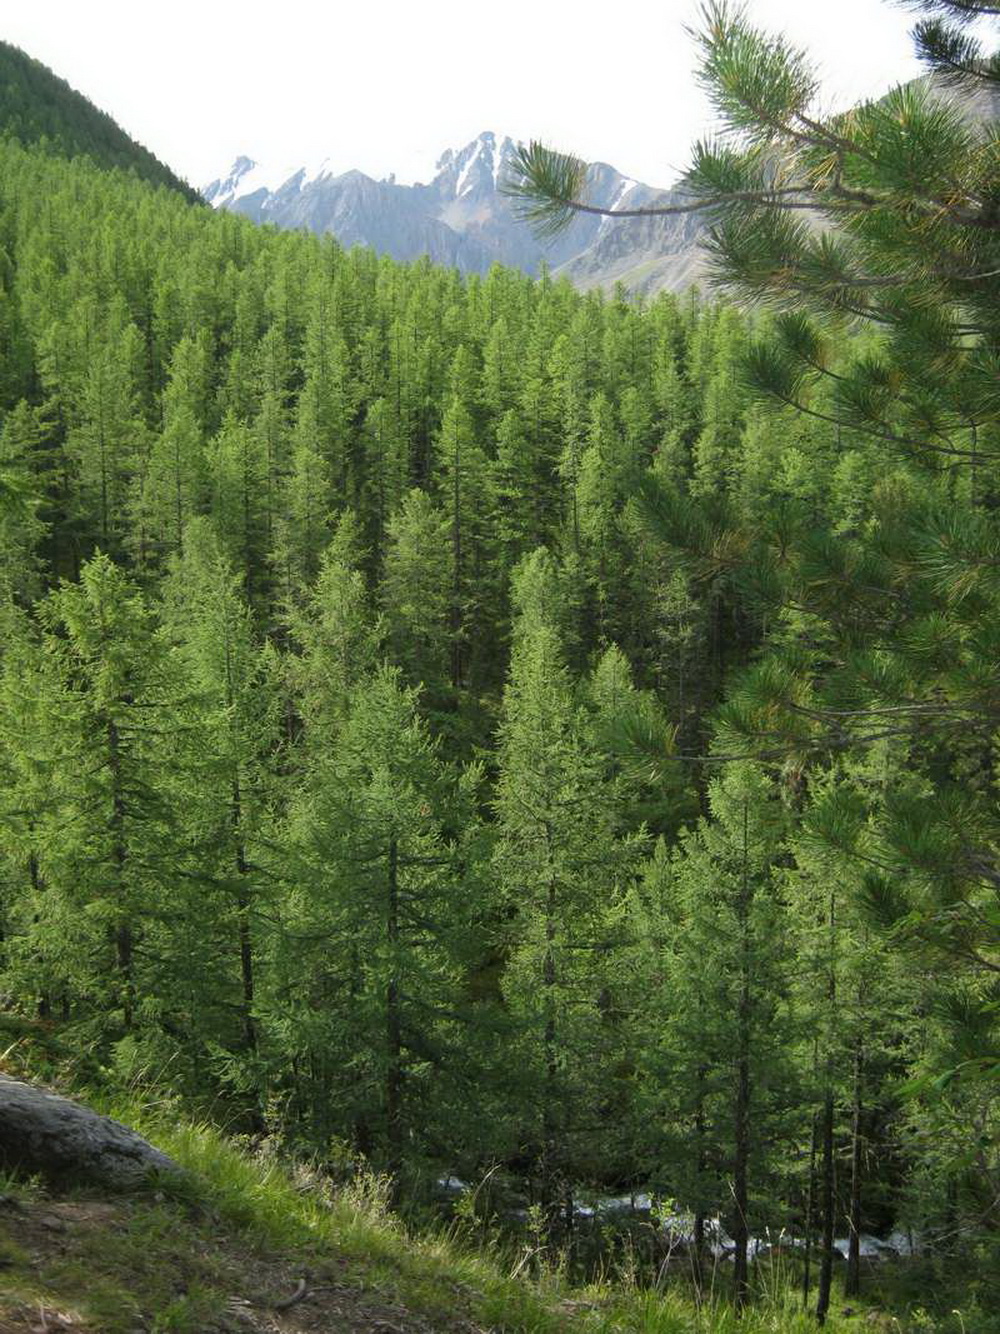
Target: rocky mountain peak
476, 168
461, 217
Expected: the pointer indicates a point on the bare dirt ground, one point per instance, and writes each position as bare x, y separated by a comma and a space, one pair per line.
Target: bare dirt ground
100, 1267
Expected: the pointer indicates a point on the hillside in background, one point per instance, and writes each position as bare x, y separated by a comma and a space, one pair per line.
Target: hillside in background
461, 217
37, 106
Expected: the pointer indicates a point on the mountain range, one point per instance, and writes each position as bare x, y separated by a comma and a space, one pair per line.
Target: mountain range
462, 218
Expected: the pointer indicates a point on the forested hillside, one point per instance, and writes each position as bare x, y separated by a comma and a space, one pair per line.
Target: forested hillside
378, 646
37, 107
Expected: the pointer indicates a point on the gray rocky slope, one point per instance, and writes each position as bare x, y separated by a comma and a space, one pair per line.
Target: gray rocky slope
462, 218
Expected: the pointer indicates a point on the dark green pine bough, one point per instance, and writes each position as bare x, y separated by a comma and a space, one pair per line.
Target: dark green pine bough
409, 679
871, 242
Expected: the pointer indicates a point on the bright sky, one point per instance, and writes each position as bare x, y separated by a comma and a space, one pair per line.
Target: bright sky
387, 85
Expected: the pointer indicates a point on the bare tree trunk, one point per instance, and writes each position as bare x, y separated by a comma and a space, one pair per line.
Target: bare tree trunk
810, 1203
852, 1280
828, 1192
394, 1033
741, 1165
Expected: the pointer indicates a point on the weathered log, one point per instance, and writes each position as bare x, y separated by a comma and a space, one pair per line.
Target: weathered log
44, 1133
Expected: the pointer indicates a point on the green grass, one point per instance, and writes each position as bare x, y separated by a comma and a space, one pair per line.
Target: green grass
435, 1273
268, 1208
115, 1275
248, 1223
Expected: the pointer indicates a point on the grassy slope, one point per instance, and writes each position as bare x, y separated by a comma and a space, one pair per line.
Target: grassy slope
222, 1251
220, 1254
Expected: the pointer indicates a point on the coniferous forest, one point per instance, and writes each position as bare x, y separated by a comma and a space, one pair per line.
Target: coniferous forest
483, 729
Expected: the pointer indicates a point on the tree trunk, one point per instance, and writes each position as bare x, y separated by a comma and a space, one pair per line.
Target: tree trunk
247, 542
248, 1022
698, 1257
394, 1032
44, 999
456, 589
549, 1122
810, 1204
852, 1280
104, 479
119, 855
245, 940
698, 1254
741, 1234
828, 1193
741, 1117
827, 1206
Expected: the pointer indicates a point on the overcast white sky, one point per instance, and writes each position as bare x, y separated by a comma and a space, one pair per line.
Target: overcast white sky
387, 85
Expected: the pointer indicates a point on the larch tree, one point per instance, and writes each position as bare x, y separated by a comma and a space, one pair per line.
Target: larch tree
561, 868
230, 750
105, 842
367, 975
871, 235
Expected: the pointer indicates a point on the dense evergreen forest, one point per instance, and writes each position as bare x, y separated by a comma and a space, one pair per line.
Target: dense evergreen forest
457, 723
37, 107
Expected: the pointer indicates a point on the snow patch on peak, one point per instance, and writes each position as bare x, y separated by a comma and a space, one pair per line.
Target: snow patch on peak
501, 151
313, 172
248, 177
223, 188
461, 185
625, 188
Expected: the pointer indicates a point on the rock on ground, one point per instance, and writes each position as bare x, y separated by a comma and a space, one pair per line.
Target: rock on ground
42, 1132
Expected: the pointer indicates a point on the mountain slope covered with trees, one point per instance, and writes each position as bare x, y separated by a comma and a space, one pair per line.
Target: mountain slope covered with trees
456, 725
37, 107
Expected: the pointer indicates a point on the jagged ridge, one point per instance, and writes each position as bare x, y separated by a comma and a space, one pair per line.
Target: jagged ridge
461, 217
